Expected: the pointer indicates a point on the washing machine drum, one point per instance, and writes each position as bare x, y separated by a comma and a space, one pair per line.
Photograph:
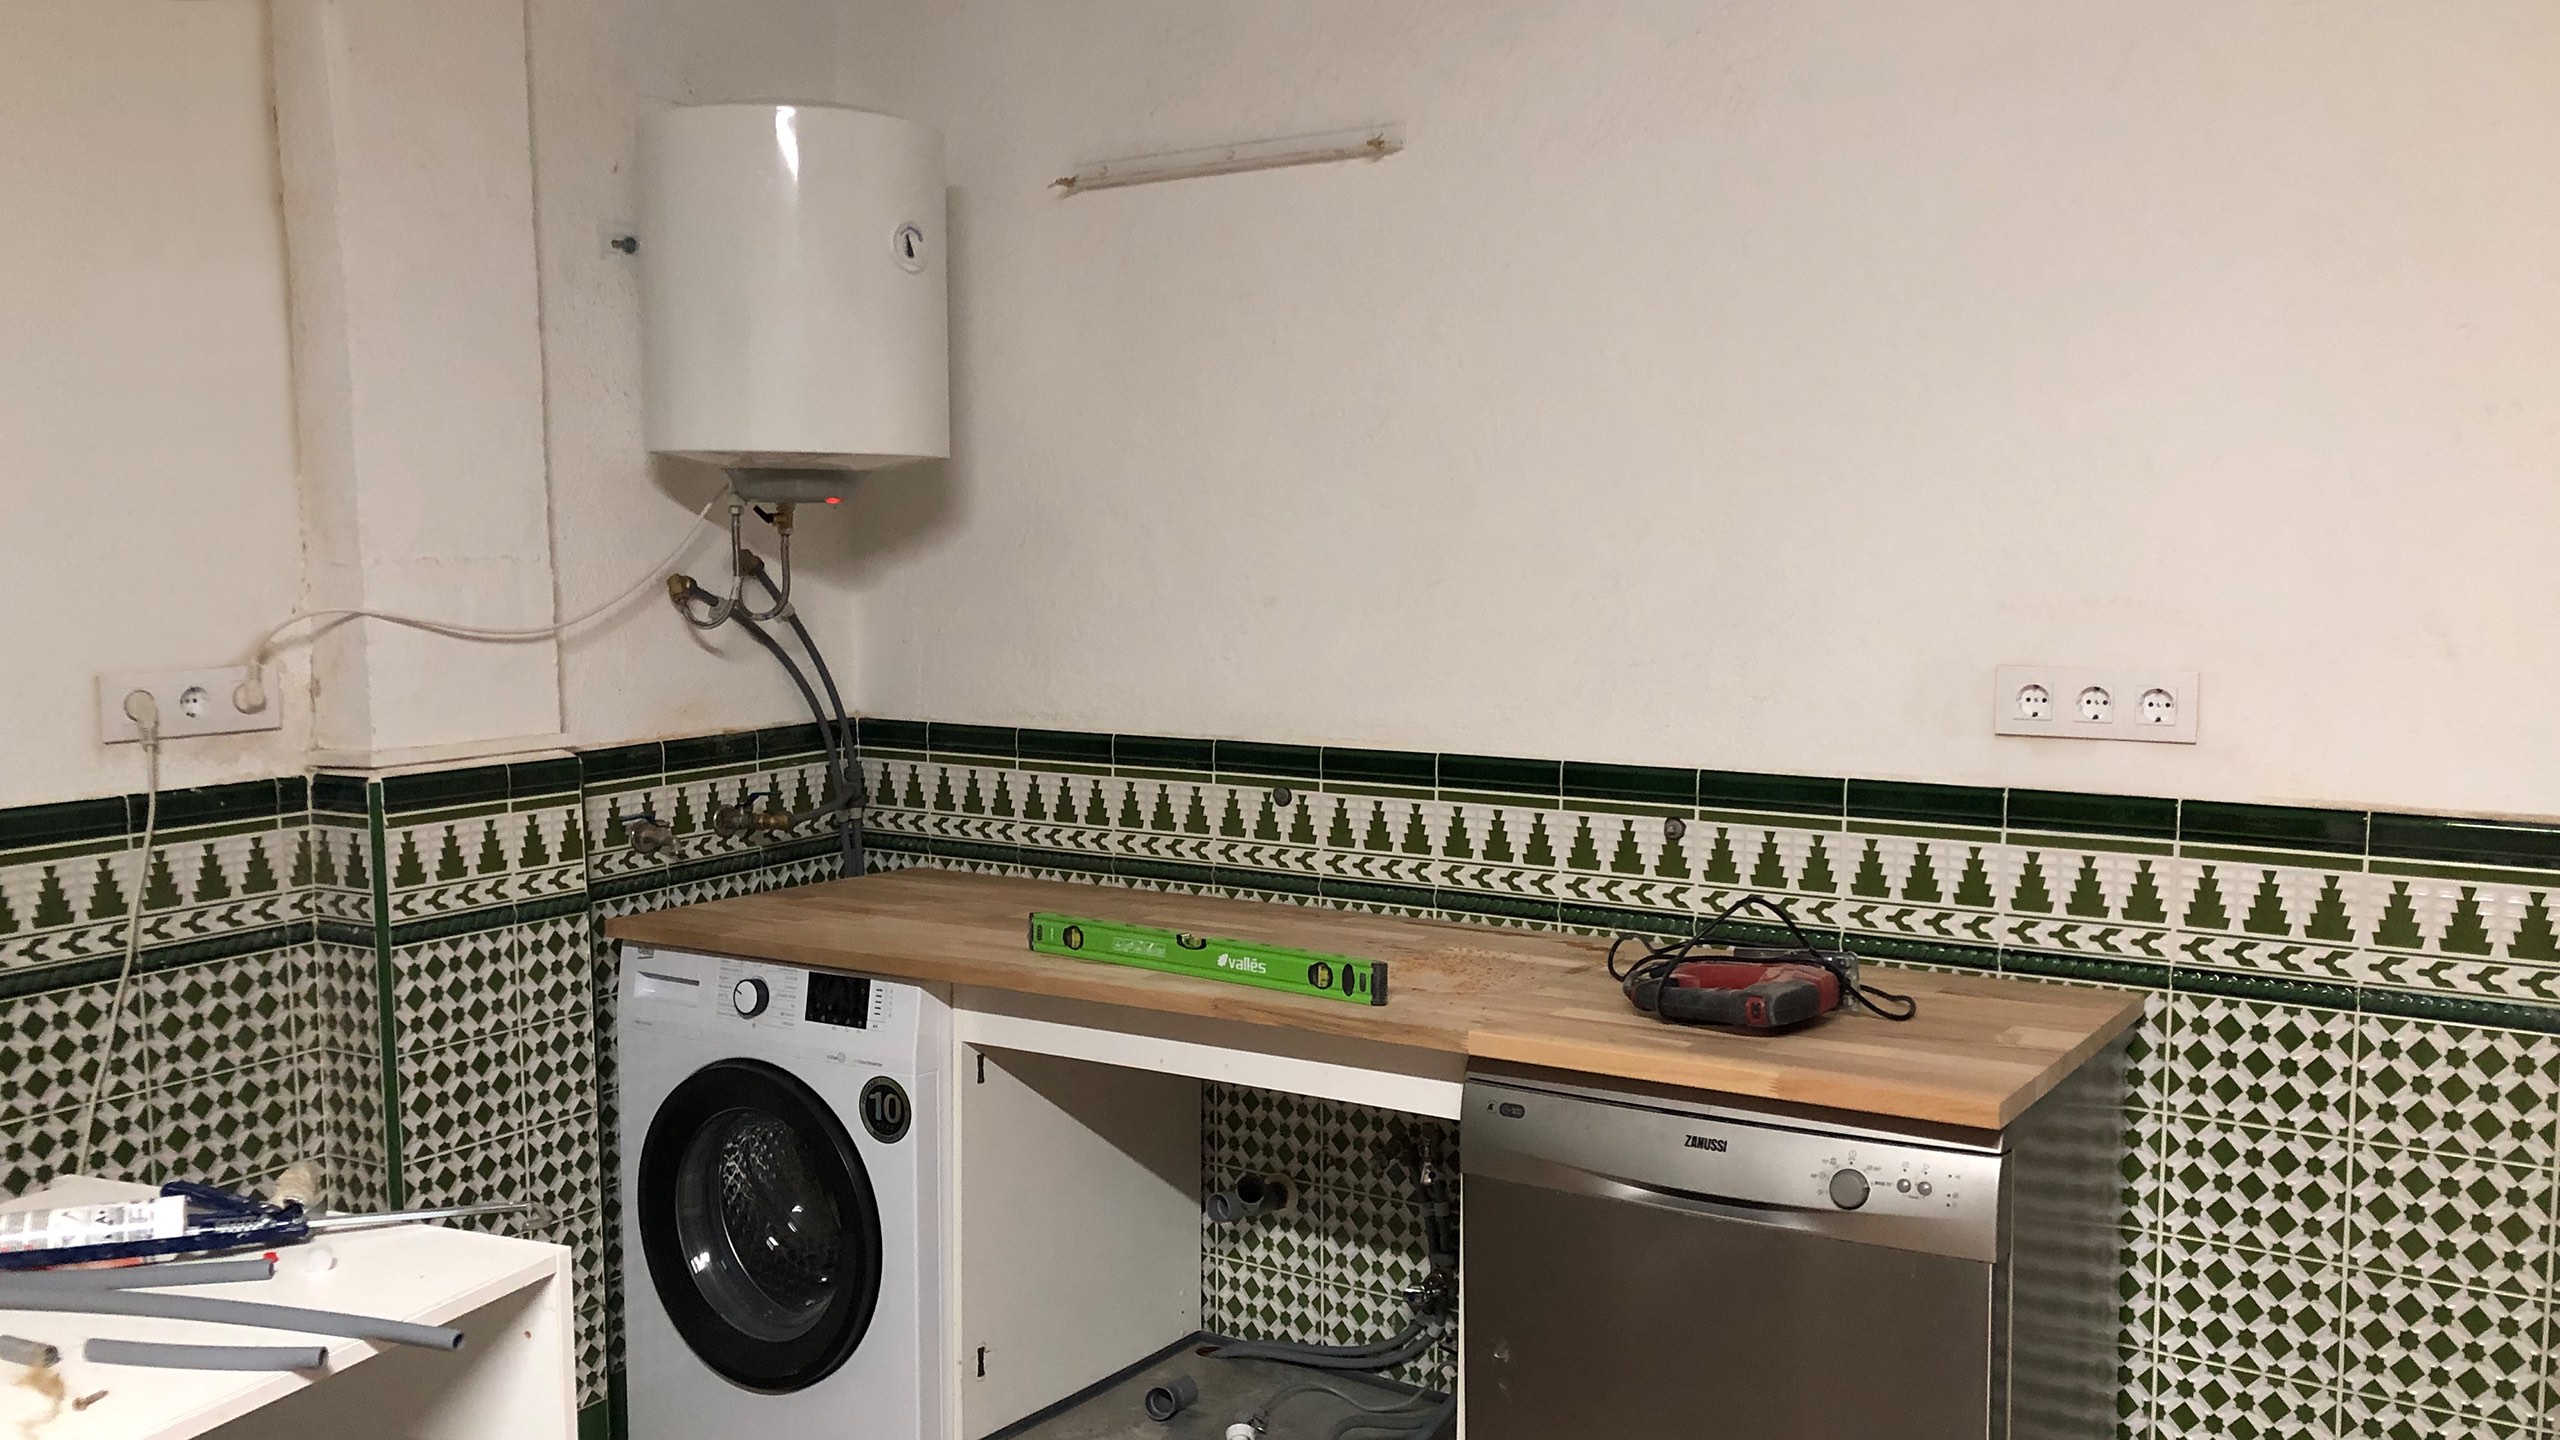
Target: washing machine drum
759, 1226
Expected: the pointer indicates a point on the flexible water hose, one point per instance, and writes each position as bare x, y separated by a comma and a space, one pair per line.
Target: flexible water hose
153, 1305
141, 1277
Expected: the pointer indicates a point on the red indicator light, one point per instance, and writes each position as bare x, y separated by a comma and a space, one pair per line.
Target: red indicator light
835, 500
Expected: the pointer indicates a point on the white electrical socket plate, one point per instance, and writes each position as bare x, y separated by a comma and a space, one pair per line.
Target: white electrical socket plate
2125, 687
215, 712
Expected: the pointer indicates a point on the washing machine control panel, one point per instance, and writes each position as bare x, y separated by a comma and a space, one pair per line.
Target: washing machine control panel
839, 1000
819, 1011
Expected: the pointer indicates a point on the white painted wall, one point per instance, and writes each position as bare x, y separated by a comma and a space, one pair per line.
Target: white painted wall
597, 65
406, 151
1738, 383
147, 511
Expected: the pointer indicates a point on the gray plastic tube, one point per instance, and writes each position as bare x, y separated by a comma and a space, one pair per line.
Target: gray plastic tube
205, 1357
34, 1354
139, 1277
228, 1312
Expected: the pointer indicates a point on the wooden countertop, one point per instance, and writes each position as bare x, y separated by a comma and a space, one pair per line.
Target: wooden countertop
1982, 1050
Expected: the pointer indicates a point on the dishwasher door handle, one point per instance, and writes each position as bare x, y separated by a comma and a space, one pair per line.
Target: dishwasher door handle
1895, 1232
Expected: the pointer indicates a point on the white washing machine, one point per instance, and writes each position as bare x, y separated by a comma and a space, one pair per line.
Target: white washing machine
783, 1164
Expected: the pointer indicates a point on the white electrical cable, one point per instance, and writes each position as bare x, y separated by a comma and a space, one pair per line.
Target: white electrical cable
251, 696
145, 714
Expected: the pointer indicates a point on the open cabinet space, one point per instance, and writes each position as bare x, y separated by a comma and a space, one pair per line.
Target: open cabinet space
1078, 1207
1087, 1245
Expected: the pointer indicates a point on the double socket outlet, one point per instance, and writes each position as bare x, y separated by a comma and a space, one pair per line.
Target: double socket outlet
2082, 702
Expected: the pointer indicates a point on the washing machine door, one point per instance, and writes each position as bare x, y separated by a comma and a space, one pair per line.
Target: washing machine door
758, 1225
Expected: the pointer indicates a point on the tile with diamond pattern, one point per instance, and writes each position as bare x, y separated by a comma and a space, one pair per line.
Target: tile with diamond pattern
2477, 1352
2460, 1087
2246, 1062
201, 1018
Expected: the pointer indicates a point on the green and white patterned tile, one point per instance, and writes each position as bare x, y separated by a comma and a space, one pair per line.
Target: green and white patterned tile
1268, 828
2138, 1289
2473, 1352
2256, 1189
2366, 1417
352, 1186
1935, 890
558, 1065
341, 870
462, 1094
49, 1044
1380, 839
2262, 1064
1373, 1242
2453, 1219
339, 996
2138, 1383
2273, 919
2197, 1401
1265, 1131
2480, 914
69, 905
1503, 848
1627, 861
2279, 1315
201, 1018
341, 1097
231, 1128
1254, 1303
2463, 1088
36, 1148
459, 988
483, 1172
1062, 811
552, 968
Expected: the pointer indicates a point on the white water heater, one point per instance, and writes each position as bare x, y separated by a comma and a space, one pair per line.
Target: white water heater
794, 307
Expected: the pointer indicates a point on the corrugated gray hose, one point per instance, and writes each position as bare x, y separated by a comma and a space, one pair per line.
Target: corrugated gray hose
1405, 1344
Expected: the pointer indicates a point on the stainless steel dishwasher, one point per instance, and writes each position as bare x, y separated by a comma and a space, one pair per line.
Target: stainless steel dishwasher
1645, 1264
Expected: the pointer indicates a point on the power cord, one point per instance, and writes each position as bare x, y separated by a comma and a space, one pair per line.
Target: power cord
1659, 961
251, 694
144, 711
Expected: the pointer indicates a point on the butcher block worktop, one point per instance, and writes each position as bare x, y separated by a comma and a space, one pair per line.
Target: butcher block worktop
1980, 1052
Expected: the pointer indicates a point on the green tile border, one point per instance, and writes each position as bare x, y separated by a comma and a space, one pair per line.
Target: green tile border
2063, 812
2271, 827
1916, 803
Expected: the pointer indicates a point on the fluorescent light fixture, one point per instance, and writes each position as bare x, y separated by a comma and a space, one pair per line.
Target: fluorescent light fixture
1375, 142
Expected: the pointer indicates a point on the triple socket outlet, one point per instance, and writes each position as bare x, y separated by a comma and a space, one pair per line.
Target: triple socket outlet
2078, 702
192, 702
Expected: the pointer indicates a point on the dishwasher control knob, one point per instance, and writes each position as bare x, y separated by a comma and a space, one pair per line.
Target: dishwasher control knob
1848, 1189
749, 997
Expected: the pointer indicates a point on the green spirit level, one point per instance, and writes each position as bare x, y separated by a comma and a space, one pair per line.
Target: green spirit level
1273, 967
